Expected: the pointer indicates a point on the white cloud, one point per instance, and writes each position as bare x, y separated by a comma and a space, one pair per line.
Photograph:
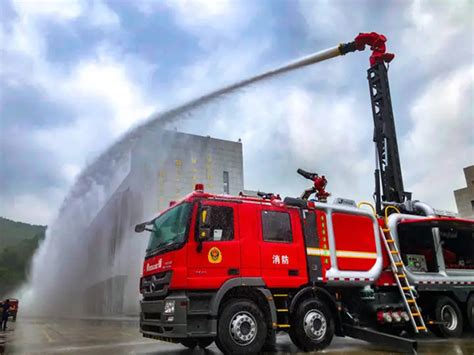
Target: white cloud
30, 208
220, 14
57, 9
108, 81
103, 92
441, 141
102, 16
209, 21
433, 30
332, 18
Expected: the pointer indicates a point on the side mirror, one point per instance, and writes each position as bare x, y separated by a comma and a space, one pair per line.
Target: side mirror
139, 228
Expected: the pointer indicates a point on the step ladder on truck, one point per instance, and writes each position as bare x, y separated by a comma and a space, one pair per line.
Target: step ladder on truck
398, 268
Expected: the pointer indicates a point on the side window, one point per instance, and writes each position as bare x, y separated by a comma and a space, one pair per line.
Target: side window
221, 223
276, 226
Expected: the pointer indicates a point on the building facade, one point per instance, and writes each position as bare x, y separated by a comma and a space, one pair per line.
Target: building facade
465, 196
163, 166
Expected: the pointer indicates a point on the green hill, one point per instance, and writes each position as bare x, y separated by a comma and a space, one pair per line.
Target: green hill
12, 232
18, 243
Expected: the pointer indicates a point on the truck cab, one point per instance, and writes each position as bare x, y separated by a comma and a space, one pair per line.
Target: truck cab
199, 249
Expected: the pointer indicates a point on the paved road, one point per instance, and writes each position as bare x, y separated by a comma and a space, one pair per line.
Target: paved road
121, 336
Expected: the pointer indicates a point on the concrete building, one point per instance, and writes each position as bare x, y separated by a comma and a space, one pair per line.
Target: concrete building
465, 196
192, 159
163, 166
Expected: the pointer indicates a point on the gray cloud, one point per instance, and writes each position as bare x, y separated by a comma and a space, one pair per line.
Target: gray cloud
74, 85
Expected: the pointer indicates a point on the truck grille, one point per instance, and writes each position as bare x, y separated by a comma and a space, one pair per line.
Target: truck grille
151, 316
156, 286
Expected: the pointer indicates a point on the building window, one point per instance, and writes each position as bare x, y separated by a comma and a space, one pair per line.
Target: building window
276, 226
226, 182
472, 204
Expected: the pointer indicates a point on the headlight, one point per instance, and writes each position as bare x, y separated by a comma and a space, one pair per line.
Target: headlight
169, 307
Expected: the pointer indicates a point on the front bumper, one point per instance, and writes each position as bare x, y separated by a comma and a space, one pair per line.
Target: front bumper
191, 318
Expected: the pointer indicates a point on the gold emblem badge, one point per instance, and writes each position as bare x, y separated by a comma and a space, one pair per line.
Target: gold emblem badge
214, 256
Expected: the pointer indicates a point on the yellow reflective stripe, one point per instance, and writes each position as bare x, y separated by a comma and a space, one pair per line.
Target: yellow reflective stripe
355, 254
317, 252
342, 253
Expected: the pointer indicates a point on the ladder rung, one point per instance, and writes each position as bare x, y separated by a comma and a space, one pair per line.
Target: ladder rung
398, 269
283, 325
282, 310
280, 295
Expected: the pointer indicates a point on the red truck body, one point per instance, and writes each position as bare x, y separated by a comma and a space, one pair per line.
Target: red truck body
298, 249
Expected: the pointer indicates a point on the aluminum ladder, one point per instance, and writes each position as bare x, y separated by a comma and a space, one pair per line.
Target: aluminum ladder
404, 286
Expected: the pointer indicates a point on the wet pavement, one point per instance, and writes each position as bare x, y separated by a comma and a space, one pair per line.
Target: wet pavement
121, 336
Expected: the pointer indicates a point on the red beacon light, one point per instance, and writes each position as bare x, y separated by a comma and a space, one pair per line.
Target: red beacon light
172, 203
199, 187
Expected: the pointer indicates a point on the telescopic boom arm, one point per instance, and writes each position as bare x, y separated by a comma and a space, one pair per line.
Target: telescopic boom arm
388, 174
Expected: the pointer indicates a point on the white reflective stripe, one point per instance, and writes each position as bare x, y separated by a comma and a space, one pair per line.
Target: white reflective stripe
355, 254
317, 252
341, 253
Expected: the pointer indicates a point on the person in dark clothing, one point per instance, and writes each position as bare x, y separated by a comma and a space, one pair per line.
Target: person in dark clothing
5, 308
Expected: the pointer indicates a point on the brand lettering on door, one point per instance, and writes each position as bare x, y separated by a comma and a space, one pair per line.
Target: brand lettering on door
154, 266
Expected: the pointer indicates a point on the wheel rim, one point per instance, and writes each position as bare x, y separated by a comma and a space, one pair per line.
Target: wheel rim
449, 317
315, 324
243, 328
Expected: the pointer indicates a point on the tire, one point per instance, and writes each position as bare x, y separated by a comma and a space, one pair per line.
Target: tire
241, 328
448, 312
270, 341
470, 311
191, 343
312, 325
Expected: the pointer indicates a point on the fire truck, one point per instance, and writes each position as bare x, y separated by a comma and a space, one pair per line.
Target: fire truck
238, 269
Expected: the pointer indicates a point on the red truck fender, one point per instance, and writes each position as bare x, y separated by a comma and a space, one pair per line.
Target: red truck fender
255, 284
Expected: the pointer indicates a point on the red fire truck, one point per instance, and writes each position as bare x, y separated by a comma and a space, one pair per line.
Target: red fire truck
238, 269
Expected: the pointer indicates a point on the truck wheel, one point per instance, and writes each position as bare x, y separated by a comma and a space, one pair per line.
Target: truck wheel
270, 342
191, 343
447, 312
241, 328
312, 326
470, 311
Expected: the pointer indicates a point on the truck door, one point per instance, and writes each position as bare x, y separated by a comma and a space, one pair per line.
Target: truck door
281, 248
214, 247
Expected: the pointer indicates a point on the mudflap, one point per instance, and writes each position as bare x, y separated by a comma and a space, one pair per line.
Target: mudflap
395, 343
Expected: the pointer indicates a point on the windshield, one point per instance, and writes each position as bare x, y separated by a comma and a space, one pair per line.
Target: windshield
170, 227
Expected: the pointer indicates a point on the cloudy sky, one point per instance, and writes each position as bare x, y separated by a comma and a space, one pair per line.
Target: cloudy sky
76, 75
